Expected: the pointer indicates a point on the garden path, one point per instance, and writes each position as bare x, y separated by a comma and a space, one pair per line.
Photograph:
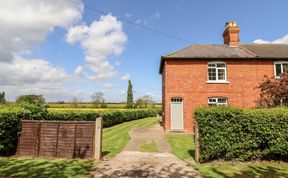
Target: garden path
133, 163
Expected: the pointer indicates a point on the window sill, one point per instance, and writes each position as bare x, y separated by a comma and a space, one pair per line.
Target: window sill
217, 82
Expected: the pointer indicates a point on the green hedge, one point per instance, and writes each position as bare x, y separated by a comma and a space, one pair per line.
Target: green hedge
236, 134
110, 117
10, 121
9, 128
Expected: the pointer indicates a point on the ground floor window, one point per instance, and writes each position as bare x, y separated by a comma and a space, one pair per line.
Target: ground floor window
280, 67
217, 101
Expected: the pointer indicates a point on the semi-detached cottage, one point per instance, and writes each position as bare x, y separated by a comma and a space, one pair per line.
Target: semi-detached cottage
216, 74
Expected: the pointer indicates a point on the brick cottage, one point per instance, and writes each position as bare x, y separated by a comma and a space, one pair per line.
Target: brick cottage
216, 74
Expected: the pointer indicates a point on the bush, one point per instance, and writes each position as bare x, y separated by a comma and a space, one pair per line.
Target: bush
9, 128
237, 134
10, 121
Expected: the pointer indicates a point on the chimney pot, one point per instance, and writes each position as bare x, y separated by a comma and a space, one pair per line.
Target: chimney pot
231, 34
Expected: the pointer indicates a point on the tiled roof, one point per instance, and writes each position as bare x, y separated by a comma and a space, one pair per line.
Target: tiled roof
206, 51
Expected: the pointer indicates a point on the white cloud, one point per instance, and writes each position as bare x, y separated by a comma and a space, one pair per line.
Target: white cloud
125, 77
27, 23
282, 40
79, 70
21, 71
100, 40
107, 85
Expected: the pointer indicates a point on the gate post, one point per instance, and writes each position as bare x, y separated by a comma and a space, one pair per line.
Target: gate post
98, 139
197, 143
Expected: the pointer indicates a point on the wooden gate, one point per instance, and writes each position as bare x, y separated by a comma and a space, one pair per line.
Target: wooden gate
61, 139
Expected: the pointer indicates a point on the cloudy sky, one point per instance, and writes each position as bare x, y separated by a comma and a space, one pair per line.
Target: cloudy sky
66, 48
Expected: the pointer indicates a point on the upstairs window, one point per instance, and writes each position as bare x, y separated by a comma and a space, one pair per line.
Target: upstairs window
280, 67
217, 71
217, 101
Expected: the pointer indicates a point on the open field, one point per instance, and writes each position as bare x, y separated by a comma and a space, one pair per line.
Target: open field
183, 147
114, 140
92, 106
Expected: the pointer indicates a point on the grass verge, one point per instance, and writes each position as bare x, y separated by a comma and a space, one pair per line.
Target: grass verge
114, 140
116, 137
183, 147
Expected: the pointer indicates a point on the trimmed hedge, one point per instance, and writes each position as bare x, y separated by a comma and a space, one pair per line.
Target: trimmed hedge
9, 128
237, 134
10, 121
110, 117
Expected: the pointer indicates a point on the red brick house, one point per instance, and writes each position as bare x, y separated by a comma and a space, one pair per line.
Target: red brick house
216, 74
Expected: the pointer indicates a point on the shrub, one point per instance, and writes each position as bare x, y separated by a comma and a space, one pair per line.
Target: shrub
10, 120
237, 134
37, 109
9, 128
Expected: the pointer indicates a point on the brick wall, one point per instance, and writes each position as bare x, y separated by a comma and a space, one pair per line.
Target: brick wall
187, 79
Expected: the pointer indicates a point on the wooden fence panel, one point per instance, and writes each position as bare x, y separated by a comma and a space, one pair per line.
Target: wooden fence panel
29, 139
48, 139
84, 140
66, 137
63, 139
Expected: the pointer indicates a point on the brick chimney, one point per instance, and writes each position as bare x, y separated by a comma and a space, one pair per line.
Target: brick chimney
231, 34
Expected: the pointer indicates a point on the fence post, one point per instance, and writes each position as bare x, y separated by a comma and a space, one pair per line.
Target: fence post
197, 143
98, 139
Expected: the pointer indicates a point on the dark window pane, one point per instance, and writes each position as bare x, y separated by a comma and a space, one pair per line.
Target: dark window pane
221, 100
278, 69
285, 67
221, 74
212, 74
212, 100
221, 65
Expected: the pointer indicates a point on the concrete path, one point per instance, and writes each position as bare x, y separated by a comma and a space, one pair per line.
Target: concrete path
133, 163
141, 135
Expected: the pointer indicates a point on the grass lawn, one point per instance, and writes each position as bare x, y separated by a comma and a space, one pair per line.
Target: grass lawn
116, 137
183, 147
40, 167
114, 140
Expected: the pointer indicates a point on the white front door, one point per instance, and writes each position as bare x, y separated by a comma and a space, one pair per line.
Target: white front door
177, 114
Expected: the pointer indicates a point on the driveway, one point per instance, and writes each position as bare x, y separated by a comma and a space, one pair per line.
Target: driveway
133, 163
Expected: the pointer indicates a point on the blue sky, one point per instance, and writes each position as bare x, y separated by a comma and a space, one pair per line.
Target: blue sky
47, 54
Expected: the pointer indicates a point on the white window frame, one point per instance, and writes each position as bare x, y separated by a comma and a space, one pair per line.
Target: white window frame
217, 102
217, 68
282, 70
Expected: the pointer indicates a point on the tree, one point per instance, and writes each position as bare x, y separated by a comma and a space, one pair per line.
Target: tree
2, 98
75, 102
98, 99
31, 99
144, 101
129, 95
274, 91
35, 104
